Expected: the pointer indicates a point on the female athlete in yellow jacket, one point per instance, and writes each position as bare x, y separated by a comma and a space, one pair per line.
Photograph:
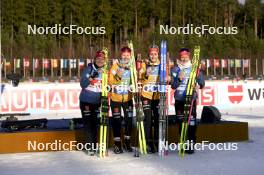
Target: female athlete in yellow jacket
121, 97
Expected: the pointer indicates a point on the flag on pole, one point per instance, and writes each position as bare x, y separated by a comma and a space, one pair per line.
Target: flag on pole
207, 63
65, 63
245, 63
54, 63
7, 63
203, 63
61, 63
238, 63
73, 63
216, 63
212, 63
14, 64
2, 62
46, 63
26, 62
18, 63
81, 63
224, 63
36, 63
232, 63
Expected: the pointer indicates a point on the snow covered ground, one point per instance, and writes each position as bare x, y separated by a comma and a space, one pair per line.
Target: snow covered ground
248, 159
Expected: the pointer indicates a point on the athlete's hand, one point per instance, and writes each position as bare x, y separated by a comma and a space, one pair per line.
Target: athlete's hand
91, 79
93, 76
141, 70
120, 72
196, 86
168, 79
181, 76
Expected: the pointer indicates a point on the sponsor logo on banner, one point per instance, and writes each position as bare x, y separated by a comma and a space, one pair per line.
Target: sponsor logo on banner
64, 97
235, 93
207, 96
39, 100
256, 94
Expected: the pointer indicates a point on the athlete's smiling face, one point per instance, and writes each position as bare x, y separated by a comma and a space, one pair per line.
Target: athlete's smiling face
125, 56
99, 61
154, 55
185, 59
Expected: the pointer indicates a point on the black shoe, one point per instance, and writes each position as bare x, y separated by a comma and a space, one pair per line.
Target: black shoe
151, 148
118, 148
189, 151
91, 153
190, 148
127, 145
156, 146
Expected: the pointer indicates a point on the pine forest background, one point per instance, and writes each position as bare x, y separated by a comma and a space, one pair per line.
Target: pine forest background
138, 20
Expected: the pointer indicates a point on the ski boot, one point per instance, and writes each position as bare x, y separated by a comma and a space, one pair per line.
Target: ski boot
190, 147
118, 147
150, 148
127, 145
91, 152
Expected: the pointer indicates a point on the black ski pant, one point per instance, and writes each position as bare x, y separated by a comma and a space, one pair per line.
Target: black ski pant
179, 109
117, 120
151, 112
90, 121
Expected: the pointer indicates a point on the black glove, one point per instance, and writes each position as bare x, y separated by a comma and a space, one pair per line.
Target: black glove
94, 74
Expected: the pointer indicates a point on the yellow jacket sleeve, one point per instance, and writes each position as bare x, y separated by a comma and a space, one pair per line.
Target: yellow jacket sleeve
113, 77
143, 72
